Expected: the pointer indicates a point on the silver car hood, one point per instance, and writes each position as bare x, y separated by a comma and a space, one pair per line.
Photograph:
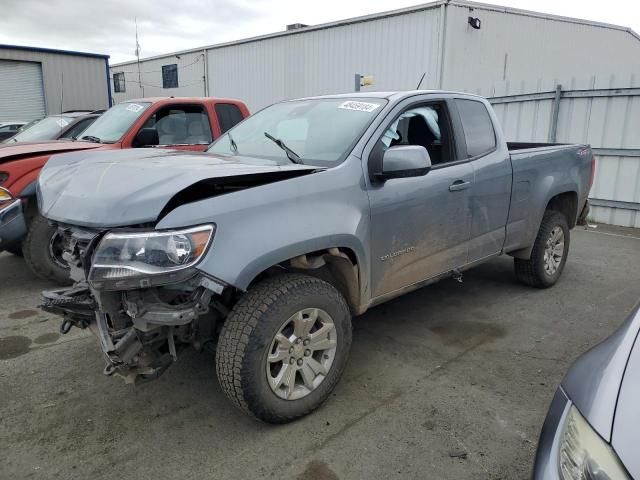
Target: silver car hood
594, 380
626, 425
604, 385
131, 187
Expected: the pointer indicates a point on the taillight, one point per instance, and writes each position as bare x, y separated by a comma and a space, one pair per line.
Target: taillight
593, 172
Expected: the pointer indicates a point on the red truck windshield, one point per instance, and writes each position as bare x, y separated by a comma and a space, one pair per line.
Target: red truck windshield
114, 123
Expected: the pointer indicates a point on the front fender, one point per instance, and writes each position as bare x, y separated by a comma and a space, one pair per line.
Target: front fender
262, 226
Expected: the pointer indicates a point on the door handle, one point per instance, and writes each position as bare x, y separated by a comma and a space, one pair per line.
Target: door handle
459, 185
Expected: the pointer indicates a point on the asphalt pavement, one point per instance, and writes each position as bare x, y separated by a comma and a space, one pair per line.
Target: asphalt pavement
449, 382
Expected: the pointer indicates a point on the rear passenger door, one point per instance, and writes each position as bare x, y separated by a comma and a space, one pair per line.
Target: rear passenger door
182, 127
491, 178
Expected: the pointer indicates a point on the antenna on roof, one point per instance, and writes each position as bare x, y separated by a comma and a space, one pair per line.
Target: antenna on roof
421, 79
135, 19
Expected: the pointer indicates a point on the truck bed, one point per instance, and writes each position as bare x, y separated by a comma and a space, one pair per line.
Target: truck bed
541, 171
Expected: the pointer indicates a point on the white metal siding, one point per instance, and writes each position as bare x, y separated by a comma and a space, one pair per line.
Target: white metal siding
21, 91
395, 50
537, 49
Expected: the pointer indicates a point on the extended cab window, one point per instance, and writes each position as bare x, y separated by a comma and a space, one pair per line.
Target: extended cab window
228, 114
181, 125
425, 125
477, 126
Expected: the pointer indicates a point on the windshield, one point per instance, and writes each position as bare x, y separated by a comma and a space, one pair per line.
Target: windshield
114, 123
320, 131
46, 129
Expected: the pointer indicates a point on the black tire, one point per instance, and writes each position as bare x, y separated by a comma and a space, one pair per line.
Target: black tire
247, 335
532, 271
14, 249
37, 252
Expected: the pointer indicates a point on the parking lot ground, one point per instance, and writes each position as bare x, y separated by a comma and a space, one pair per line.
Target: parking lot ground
450, 382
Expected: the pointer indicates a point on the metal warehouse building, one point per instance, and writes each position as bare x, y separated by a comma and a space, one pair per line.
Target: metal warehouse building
35, 82
551, 78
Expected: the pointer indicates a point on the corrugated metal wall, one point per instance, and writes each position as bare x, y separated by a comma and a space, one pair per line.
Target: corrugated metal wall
525, 48
396, 50
605, 114
70, 81
191, 69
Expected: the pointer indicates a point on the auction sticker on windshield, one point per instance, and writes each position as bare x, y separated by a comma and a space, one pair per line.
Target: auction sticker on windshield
62, 123
134, 107
359, 106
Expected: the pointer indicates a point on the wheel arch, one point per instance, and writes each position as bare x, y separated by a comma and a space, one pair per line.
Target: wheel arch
340, 265
564, 201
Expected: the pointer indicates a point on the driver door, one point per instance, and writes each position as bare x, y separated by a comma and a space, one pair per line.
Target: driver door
420, 226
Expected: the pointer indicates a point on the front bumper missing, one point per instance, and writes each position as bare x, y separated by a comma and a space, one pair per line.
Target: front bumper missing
12, 223
138, 333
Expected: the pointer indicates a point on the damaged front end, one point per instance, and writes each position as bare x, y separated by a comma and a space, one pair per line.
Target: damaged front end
138, 292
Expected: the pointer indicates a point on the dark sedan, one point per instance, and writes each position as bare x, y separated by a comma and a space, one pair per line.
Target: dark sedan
592, 430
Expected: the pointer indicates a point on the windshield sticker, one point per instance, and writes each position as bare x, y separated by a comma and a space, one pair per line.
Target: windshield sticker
134, 107
61, 122
359, 106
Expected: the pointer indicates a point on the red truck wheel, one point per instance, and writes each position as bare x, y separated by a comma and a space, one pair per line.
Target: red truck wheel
43, 253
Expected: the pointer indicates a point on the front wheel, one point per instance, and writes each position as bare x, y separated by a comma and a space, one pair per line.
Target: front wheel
42, 248
549, 254
283, 347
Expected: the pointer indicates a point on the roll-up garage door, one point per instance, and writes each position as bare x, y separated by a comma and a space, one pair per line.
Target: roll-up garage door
21, 91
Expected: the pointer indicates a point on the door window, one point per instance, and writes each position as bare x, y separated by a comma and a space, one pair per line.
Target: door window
181, 125
425, 125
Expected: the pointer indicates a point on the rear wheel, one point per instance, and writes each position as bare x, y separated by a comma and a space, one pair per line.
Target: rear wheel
42, 250
549, 254
284, 347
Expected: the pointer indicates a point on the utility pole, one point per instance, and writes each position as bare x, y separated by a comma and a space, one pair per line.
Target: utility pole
135, 19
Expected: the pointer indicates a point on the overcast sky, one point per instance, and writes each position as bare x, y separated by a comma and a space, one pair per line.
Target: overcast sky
168, 25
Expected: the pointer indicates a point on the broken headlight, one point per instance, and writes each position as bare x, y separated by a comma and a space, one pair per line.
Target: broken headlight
143, 259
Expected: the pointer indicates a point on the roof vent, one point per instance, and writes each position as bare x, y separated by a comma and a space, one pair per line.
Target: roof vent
296, 26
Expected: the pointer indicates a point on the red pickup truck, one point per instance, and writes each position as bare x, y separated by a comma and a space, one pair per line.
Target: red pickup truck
174, 123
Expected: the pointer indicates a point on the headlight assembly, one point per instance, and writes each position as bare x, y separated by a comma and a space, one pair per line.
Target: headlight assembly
143, 259
584, 455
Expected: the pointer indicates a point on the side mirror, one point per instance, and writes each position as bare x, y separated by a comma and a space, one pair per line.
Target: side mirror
403, 161
146, 137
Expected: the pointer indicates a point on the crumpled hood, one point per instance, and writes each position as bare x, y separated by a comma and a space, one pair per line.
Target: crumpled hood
131, 187
15, 151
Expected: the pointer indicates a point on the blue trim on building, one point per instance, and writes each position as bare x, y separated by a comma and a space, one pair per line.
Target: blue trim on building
52, 50
106, 63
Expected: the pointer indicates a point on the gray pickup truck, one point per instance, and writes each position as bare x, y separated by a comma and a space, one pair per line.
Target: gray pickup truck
300, 217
